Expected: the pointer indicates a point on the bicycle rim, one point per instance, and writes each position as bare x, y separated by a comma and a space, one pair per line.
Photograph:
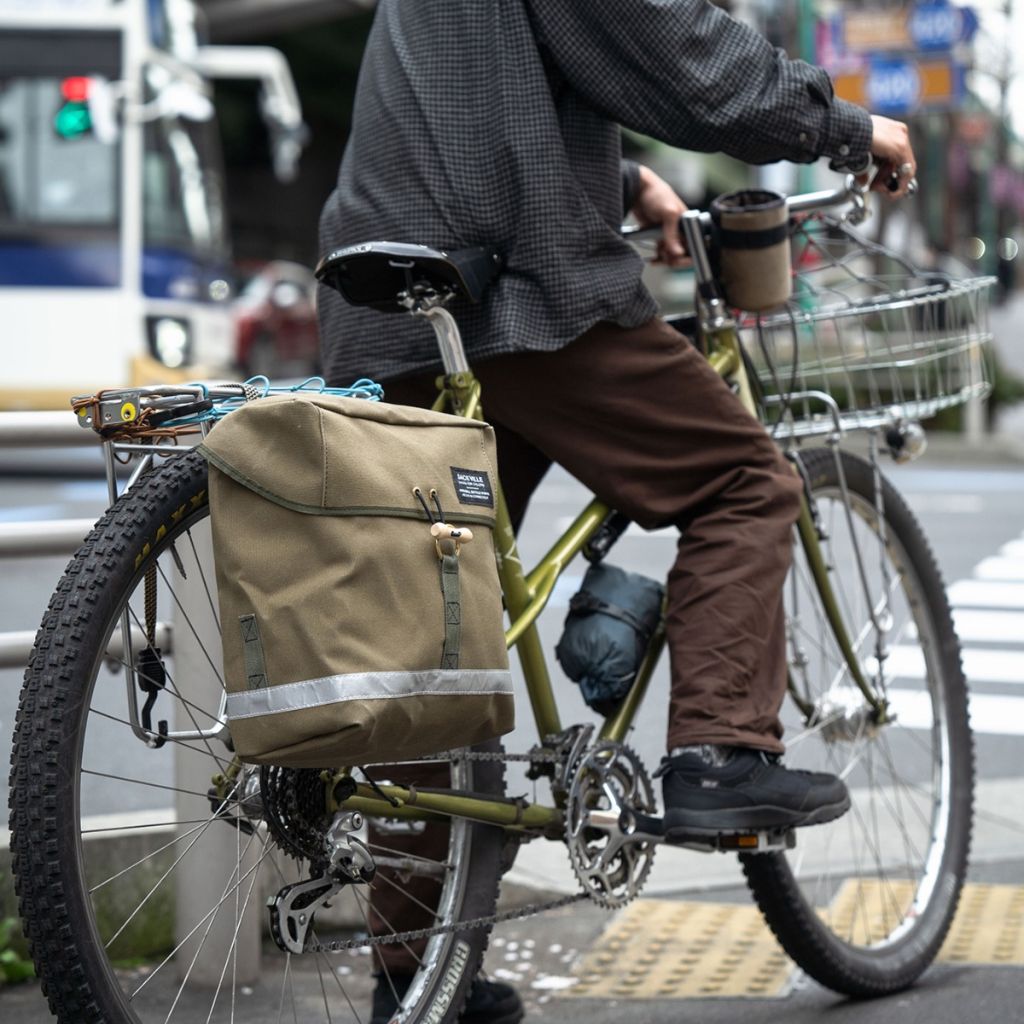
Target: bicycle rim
863, 903
143, 876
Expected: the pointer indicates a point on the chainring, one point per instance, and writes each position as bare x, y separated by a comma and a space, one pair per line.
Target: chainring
610, 865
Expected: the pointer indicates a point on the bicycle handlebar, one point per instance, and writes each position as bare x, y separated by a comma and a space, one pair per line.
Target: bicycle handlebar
850, 191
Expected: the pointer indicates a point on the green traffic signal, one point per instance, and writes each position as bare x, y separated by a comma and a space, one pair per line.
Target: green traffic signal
72, 120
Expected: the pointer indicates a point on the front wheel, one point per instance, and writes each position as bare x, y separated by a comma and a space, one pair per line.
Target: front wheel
144, 852
863, 904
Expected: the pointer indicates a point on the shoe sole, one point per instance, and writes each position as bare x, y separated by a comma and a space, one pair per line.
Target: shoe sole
682, 823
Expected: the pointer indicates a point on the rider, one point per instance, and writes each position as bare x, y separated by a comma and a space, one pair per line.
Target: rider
479, 122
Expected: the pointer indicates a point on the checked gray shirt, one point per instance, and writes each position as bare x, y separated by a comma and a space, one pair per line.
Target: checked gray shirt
496, 122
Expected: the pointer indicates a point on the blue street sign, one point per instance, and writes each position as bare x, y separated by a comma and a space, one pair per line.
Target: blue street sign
893, 85
938, 25
969, 24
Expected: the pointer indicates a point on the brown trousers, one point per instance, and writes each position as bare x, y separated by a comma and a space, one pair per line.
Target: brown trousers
639, 417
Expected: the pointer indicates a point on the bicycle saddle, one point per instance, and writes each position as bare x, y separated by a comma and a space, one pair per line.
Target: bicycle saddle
377, 273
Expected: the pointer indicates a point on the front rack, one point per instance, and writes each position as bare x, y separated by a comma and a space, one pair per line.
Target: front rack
867, 338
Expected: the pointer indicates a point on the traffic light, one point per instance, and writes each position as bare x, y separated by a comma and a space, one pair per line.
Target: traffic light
74, 119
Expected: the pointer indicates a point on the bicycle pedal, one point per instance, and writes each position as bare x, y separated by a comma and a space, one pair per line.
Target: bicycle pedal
764, 841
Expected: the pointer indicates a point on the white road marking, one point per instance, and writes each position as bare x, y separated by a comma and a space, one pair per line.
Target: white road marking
986, 594
981, 665
958, 504
994, 715
1000, 567
974, 625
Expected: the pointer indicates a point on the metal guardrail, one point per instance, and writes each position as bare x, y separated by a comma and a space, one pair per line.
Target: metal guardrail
44, 430
51, 537
16, 646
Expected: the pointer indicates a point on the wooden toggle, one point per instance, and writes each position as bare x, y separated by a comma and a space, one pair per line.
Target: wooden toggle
443, 531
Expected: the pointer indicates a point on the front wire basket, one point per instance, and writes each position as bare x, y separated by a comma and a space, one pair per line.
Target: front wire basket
867, 338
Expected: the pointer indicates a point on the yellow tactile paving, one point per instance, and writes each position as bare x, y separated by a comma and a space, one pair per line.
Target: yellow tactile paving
669, 949
989, 927
665, 949
866, 910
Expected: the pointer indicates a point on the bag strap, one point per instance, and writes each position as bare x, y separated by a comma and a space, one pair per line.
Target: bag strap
252, 648
451, 593
584, 603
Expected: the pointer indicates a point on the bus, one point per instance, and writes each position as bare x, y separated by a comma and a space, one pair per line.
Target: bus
114, 260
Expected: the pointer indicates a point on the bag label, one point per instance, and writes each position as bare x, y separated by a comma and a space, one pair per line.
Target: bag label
473, 486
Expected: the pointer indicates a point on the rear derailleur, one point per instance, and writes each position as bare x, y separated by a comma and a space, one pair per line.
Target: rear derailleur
347, 862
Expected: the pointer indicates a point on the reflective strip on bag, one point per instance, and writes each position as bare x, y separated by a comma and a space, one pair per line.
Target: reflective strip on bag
313, 693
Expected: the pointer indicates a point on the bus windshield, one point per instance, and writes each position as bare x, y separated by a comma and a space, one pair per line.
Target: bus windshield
182, 183
49, 179
46, 180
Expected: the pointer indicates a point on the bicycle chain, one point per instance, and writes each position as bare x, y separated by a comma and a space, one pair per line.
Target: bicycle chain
538, 756
544, 756
444, 929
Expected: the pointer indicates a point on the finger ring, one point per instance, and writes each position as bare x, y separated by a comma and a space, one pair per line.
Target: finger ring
906, 170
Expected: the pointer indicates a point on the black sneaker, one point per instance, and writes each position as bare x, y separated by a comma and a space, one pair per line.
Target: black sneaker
751, 791
489, 1002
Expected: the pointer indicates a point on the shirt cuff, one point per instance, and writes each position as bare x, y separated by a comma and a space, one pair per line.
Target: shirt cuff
846, 136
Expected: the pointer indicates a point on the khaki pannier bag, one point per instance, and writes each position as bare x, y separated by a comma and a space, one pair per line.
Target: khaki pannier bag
352, 633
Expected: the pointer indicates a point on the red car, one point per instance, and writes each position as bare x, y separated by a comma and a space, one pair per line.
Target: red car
275, 322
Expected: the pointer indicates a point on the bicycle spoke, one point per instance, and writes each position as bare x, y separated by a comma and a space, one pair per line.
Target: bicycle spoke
143, 782
159, 882
149, 856
195, 633
178, 743
214, 611
228, 891
286, 984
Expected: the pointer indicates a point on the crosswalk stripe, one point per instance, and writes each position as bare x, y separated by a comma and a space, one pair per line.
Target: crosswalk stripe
992, 714
1000, 567
986, 594
974, 625
1013, 549
987, 665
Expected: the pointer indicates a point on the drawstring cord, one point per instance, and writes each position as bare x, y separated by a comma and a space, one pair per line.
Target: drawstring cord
426, 508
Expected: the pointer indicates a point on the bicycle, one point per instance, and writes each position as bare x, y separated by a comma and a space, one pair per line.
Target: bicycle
862, 904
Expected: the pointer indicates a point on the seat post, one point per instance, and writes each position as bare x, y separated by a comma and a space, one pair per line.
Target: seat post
446, 330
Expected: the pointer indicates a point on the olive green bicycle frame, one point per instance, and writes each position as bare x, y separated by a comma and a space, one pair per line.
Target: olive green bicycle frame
526, 596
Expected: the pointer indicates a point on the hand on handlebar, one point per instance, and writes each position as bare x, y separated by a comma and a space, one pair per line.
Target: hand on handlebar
894, 158
657, 204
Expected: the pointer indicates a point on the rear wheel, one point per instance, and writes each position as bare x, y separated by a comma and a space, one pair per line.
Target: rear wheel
863, 904
142, 868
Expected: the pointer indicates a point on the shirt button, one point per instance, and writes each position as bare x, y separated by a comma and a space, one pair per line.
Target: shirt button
803, 136
844, 150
